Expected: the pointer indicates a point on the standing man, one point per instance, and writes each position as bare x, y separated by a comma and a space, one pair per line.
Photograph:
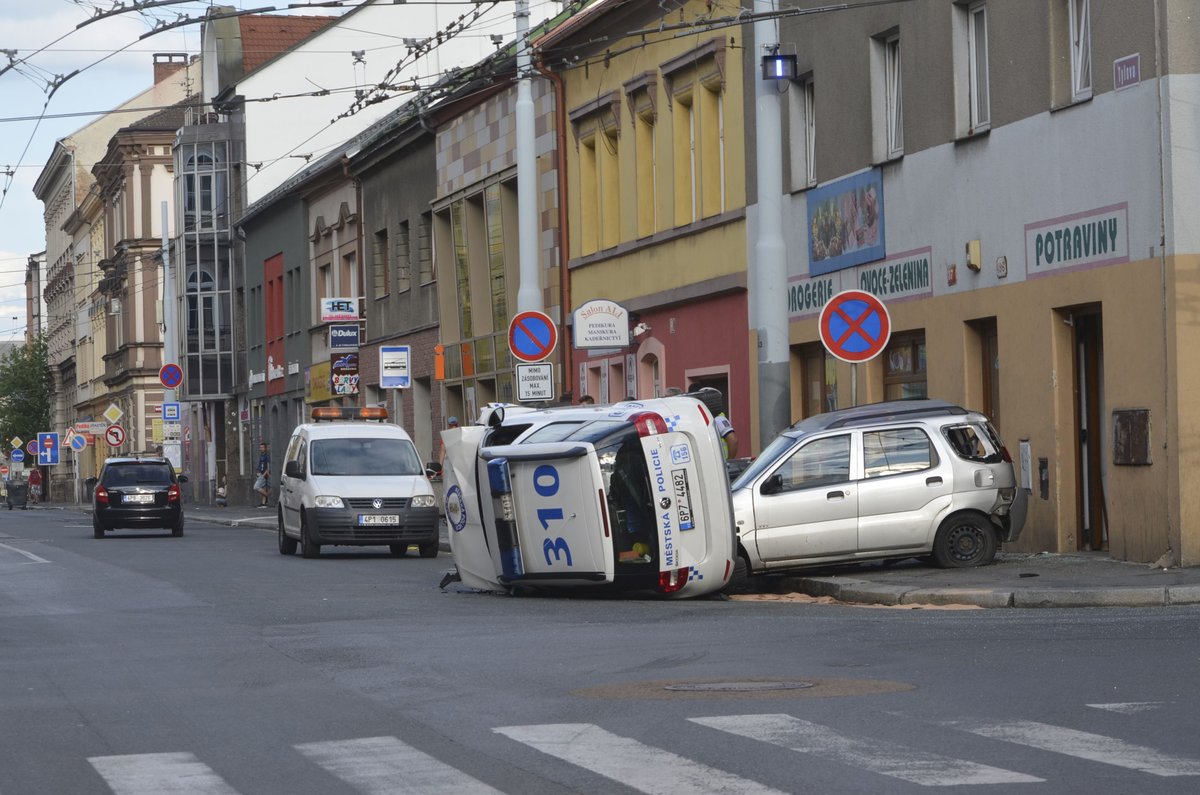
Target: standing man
35, 485
262, 484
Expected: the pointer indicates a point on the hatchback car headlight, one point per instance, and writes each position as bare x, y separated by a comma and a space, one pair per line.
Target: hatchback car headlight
328, 501
423, 501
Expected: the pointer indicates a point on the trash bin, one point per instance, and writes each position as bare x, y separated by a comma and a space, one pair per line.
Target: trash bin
18, 495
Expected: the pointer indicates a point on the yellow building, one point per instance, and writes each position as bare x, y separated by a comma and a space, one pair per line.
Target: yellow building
656, 196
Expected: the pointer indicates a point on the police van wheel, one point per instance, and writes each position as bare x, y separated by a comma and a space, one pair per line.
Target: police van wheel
308, 549
398, 550
429, 550
740, 580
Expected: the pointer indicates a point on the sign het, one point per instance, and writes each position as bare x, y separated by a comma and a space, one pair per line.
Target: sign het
334, 310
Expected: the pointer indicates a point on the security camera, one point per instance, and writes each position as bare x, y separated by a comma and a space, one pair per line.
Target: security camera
640, 328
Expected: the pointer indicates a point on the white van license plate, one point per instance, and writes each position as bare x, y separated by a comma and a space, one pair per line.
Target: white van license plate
365, 519
138, 498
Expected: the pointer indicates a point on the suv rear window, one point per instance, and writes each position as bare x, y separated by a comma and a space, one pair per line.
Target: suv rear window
974, 442
136, 474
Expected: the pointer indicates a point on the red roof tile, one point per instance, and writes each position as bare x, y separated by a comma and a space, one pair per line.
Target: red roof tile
265, 36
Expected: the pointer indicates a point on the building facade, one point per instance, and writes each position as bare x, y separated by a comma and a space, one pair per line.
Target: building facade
1031, 248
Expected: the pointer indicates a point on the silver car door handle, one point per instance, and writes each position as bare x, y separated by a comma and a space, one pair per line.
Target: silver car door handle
933, 481
835, 495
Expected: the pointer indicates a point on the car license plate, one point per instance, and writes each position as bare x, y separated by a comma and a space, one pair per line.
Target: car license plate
683, 498
138, 498
370, 518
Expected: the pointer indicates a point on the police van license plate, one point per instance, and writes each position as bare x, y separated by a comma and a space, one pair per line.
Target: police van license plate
683, 498
365, 519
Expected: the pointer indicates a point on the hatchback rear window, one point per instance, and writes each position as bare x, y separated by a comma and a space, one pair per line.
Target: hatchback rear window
118, 475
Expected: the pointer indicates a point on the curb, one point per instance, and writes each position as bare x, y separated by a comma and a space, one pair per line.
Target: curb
867, 592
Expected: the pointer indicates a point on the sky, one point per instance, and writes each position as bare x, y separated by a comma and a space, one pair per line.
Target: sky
114, 67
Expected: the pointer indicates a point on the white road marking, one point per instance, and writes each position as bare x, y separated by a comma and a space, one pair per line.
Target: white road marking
384, 765
886, 759
159, 774
629, 762
1129, 707
1093, 747
29, 555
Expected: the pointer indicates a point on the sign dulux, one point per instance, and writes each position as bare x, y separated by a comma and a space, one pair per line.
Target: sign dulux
343, 337
334, 310
601, 324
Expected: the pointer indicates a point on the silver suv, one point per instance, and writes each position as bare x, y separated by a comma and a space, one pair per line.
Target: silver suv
889, 480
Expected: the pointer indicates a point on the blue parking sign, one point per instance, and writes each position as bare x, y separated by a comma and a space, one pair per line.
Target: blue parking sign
47, 449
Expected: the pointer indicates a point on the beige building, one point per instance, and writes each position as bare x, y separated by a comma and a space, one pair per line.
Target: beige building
1015, 181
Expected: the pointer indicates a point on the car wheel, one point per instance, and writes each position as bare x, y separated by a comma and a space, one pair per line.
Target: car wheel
308, 548
429, 550
287, 544
177, 528
398, 550
97, 528
963, 541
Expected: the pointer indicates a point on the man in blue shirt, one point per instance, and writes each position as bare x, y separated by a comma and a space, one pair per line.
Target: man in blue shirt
262, 484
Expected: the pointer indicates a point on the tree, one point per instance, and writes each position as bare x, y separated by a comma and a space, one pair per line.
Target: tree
26, 388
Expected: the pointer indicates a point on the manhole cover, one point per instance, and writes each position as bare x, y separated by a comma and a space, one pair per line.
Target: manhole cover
737, 687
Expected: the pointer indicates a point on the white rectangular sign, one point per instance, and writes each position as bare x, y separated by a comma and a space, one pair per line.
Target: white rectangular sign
334, 310
394, 367
535, 382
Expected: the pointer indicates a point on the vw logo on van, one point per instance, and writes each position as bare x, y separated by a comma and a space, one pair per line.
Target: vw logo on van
377, 503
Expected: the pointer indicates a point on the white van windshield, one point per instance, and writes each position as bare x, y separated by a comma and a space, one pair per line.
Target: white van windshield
365, 456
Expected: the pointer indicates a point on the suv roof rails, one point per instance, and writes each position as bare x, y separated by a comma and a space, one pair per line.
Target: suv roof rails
889, 410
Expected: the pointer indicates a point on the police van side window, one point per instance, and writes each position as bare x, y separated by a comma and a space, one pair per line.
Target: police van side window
302, 457
293, 446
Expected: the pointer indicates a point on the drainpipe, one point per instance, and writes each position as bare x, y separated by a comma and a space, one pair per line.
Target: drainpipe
564, 273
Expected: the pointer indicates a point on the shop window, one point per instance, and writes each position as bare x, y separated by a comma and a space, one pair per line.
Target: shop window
904, 374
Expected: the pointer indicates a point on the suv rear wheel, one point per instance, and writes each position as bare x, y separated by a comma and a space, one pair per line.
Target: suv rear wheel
965, 540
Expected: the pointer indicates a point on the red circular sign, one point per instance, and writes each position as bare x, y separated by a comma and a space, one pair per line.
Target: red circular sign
855, 326
31, 448
114, 435
170, 375
532, 336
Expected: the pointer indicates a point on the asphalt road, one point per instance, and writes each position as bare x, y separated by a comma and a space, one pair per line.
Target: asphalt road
210, 664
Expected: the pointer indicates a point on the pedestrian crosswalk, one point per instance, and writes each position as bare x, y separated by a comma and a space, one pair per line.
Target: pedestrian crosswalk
384, 765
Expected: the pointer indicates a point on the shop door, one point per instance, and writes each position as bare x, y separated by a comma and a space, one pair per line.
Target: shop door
1089, 412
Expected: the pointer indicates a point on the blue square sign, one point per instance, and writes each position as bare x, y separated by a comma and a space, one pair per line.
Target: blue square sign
170, 412
47, 449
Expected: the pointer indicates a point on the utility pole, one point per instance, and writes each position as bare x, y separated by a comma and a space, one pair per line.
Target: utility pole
529, 292
768, 277
169, 356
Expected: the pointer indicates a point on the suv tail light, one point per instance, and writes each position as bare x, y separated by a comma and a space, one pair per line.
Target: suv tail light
102, 495
173, 493
648, 423
671, 581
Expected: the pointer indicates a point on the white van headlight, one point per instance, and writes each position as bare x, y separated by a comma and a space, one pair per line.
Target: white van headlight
423, 501
327, 501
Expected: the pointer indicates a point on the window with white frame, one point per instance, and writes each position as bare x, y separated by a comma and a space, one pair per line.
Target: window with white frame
802, 132
979, 97
1080, 20
894, 96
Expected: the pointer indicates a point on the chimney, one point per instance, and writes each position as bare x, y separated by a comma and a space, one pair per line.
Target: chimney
167, 64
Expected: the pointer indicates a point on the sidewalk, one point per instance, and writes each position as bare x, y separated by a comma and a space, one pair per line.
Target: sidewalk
1086, 579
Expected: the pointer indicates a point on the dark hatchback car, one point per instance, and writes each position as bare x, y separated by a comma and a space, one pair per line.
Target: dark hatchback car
137, 492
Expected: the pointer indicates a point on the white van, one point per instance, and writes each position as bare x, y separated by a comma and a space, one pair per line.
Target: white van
350, 478
629, 496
